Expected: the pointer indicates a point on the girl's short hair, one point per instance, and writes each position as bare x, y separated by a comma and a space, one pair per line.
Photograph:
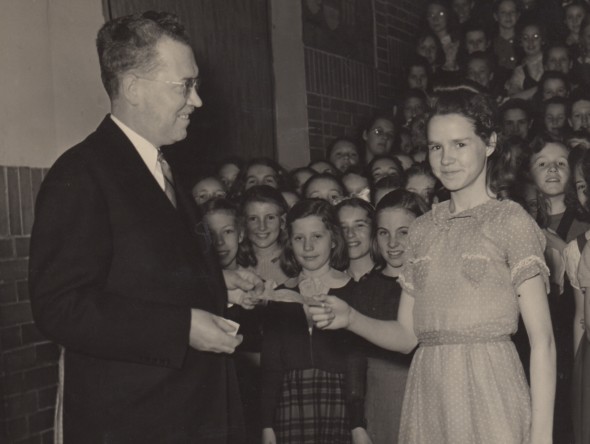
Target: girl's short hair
386, 182
230, 160
337, 140
400, 198
222, 205
374, 160
327, 213
420, 169
239, 186
261, 194
324, 176
481, 111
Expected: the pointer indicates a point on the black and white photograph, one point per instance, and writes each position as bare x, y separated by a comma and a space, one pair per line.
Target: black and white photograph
295, 222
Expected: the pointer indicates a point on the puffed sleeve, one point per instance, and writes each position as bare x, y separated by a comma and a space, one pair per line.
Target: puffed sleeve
571, 260
524, 244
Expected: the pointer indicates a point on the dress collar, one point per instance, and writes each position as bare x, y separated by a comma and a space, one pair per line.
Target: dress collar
443, 217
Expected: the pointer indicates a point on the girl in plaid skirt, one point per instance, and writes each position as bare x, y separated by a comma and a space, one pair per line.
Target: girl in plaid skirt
307, 394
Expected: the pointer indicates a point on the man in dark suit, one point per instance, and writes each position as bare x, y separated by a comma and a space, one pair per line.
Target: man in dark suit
122, 273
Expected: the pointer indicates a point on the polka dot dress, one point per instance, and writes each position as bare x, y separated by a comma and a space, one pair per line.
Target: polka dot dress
466, 382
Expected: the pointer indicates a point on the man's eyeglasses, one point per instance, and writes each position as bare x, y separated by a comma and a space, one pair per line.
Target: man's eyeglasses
187, 85
381, 132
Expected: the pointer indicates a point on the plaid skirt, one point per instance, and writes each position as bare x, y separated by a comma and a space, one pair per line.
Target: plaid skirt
312, 409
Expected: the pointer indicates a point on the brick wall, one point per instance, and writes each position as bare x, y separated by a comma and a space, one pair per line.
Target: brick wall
342, 93
28, 363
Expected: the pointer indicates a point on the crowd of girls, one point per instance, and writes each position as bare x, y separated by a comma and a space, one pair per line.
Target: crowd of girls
450, 232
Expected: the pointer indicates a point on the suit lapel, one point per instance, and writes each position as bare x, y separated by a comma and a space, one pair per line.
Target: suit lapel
185, 223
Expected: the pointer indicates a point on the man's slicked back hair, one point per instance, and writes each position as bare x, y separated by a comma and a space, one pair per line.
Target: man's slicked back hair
129, 43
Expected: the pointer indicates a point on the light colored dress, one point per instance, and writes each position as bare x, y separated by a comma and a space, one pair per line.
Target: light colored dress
581, 370
466, 382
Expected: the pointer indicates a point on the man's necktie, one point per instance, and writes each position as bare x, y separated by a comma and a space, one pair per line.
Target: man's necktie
168, 179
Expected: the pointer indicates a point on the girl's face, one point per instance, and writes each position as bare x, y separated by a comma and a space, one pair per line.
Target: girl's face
312, 243
227, 174
531, 40
550, 170
384, 167
417, 77
413, 107
208, 189
423, 185
356, 227
427, 48
227, 236
259, 174
558, 59
263, 224
437, 18
581, 185
379, 137
405, 145
392, 237
343, 155
574, 15
507, 14
457, 155
325, 188
554, 119
554, 88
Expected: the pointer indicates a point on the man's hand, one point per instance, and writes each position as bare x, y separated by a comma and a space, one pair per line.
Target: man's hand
211, 333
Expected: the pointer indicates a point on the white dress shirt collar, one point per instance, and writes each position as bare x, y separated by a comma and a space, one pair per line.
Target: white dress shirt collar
147, 151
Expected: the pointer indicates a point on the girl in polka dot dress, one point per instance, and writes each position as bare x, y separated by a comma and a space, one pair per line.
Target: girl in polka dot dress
474, 263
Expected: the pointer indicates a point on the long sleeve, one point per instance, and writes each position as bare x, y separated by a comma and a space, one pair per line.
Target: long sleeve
272, 367
73, 267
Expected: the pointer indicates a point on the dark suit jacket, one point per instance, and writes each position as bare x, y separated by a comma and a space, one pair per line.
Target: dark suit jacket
114, 271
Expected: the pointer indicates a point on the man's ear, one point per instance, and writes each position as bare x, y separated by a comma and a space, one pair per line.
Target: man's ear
129, 88
492, 144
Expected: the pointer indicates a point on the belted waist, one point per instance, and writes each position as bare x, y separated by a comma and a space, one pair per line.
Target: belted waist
458, 339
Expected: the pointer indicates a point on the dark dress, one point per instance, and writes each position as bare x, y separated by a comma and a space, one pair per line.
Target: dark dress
378, 297
304, 378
